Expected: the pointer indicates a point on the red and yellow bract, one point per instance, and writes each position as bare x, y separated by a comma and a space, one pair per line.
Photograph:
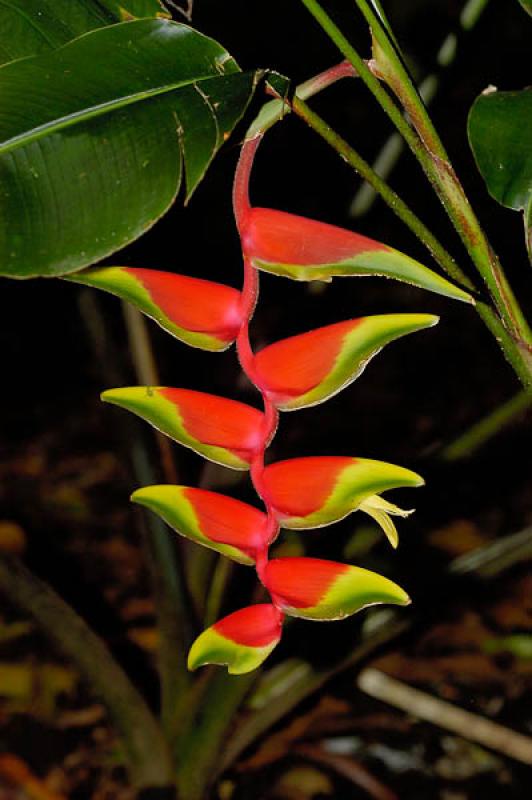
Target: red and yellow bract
280, 237
302, 370
201, 313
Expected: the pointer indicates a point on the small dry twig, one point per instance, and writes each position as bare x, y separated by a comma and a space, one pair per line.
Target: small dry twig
445, 715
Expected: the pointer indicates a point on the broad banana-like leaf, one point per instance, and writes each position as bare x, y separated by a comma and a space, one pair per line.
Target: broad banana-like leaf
242, 640
29, 27
319, 490
306, 250
307, 369
232, 528
326, 590
224, 431
201, 313
93, 136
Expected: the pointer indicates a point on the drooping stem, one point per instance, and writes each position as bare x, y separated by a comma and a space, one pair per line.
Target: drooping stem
274, 111
144, 745
249, 296
427, 147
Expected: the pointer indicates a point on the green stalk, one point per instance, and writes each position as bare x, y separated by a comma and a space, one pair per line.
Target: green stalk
488, 427
398, 206
145, 748
430, 152
445, 57
518, 356
205, 733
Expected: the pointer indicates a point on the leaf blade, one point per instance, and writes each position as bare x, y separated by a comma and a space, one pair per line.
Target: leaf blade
498, 128
91, 141
29, 28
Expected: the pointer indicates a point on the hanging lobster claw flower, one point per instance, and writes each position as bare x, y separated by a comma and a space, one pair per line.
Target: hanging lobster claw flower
307, 250
319, 490
326, 590
242, 640
230, 527
309, 368
201, 313
224, 431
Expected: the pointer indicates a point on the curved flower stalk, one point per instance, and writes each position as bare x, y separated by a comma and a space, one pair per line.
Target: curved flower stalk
303, 370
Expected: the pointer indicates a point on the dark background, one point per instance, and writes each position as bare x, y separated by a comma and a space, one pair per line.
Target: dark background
60, 347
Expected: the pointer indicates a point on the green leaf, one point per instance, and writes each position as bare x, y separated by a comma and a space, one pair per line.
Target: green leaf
499, 128
30, 27
92, 137
527, 5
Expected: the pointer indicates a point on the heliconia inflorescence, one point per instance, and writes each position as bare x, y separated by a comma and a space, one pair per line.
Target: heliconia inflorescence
300, 371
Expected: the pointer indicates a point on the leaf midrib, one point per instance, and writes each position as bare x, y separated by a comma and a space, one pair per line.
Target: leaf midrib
95, 111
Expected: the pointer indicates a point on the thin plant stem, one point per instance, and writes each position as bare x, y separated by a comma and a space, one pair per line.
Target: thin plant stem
430, 152
276, 110
518, 357
391, 198
144, 745
488, 427
428, 88
516, 353
424, 706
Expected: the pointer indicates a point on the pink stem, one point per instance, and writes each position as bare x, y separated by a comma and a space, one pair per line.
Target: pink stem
241, 204
249, 295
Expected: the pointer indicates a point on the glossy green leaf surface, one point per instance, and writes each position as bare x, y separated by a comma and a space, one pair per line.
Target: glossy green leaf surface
93, 135
29, 27
499, 129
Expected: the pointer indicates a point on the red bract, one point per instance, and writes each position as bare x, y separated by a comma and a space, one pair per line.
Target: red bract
282, 238
295, 366
201, 313
302, 370
194, 304
256, 626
